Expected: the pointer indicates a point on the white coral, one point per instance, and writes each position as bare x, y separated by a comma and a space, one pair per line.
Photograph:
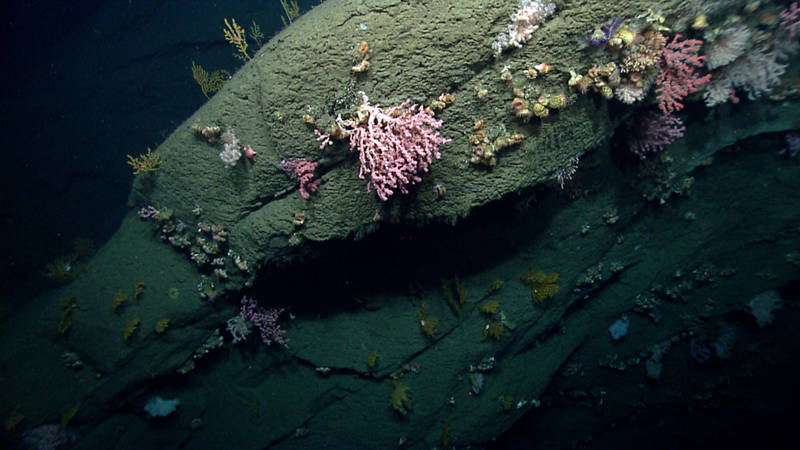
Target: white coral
239, 328
231, 150
729, 45
530, 14
755, 73
718, 91
628, 93
762, 305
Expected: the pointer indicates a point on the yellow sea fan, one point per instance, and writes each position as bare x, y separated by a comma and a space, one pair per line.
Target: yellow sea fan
209, 83
145, 163
235, 35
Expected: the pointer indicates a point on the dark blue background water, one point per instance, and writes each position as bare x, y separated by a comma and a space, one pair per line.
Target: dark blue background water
83, 85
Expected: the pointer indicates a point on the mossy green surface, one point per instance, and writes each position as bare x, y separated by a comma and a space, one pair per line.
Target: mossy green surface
417, 50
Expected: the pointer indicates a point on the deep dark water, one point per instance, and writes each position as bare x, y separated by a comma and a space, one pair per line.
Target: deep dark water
86, 84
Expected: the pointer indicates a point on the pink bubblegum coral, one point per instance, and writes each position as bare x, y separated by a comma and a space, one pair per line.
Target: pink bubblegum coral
676, 77
302, 170
395, 146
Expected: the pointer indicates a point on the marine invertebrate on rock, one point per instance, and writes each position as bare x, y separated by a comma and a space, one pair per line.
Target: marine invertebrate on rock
401, 398
601, 36
363, 48
161, 326
145, 163
700, 22
395, 145
303, 171
210, 133
755, 73
231, 150
529, 15
138, 290
677, 77
249, 153
543, 285
209, 83
729, 45
119, 299
494, 330
443, 101
266, 320
790, 19
361, 67
236, 36
130, 328
651, 132
629, 93
645, 52
67, 306
557, 101
372, 360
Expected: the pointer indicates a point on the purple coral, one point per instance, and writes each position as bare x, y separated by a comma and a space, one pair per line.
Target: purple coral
266, 320
651, 132
601, 36
699, 351
47, 437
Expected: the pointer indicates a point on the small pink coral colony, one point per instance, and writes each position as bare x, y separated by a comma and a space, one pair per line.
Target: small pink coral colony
302, 170
790, 20
677, 78
395, 145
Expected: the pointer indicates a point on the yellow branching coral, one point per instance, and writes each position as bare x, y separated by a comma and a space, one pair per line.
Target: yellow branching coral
236, 36
543, 286
292, 11
209, 83
148, 162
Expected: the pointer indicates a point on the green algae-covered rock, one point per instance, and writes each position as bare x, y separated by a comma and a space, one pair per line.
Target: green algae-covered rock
417, 51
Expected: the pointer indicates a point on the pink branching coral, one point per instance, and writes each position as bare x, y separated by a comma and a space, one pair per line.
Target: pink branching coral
651, 132
677, 78
394, 145
790, 19
302, 170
